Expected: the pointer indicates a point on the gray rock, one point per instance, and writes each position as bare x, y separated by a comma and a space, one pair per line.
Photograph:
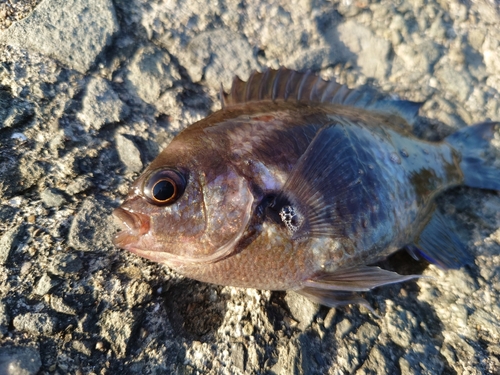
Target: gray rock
371, 51
456, 83
491, 53
302, 309
423, 359
72, 31
80, 184
218, 56
151, 72
238, 356
101, 105
4, 320
13, 111
129, 153
10, 240
58, 304
400, 326
20, 172
7, 213
91, 228
36, 324
17, 360
316, 59
417, 60
44, 285
117, 328
64, 264
53, 197
137, 293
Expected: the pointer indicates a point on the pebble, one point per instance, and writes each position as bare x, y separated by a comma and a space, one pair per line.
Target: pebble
129, 154
90, 227
117, 328
53, 197
36, 324
101, 105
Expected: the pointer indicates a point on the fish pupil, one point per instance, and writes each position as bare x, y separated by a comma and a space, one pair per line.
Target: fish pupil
163, 190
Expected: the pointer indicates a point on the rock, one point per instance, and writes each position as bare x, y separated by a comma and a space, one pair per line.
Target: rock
301, 308
13, 111
36, 324
491, 53
72, 31
80, 184
137, 293
101, 105
151, 72
17, 360
9, 242
238, 356
371, 51
218, 56
64, 264
117, 328
53, 197
91, 228
400, 326
417, 60
7, 213
456, 83
129, 153
316, 59
44, 285
4, 320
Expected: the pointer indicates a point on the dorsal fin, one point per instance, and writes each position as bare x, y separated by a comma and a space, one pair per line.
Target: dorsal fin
290, 85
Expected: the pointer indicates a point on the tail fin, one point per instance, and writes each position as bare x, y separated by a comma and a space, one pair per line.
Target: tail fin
479, 146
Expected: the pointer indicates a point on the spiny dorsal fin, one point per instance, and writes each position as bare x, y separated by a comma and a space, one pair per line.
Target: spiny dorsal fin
290, 85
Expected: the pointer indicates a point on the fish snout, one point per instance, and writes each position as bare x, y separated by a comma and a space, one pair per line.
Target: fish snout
132, 225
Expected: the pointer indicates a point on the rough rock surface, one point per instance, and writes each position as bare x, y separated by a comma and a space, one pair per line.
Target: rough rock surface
91, 91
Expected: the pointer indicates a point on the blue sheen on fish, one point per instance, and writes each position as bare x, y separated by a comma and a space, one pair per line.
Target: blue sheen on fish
302, 184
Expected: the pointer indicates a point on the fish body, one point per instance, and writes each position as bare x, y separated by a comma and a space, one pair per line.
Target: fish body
300, 184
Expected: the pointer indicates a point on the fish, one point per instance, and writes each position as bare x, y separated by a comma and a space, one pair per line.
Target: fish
300, 183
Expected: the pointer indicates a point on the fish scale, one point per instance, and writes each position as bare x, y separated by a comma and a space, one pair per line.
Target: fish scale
301, 184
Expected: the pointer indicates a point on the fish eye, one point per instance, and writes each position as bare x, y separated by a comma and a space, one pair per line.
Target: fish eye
164, 186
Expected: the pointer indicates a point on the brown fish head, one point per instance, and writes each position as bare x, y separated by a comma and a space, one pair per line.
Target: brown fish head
189, 206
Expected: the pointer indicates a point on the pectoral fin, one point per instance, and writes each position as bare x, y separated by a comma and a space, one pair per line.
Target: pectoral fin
338, 288
357, 279
324, 190
438, 244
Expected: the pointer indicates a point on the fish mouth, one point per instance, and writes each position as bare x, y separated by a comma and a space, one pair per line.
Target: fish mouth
132, 225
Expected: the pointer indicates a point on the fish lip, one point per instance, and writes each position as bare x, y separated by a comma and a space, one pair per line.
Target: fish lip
132, 225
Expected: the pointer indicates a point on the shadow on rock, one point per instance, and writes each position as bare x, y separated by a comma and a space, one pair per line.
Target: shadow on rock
195, 310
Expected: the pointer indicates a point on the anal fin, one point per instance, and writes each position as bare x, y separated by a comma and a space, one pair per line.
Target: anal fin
439, 244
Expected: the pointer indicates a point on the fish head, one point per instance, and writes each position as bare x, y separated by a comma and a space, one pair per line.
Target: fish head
189, 206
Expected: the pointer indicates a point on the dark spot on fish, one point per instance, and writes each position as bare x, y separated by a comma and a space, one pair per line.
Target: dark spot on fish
404, 153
